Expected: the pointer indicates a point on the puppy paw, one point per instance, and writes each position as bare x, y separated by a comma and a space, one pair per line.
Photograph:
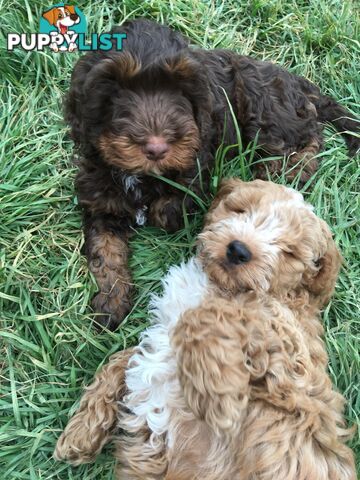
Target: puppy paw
77, 445
107, 260
167, 213
210, 343
112, 307
300, 172
353, 144
300, 166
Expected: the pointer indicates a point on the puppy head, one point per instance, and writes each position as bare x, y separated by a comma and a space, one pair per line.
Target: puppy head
142, 120
62, 17
263, 237
151, 132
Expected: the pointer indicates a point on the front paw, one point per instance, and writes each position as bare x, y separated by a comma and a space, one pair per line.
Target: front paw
77, 445
167, 213
111, 308
210, 342
300, 166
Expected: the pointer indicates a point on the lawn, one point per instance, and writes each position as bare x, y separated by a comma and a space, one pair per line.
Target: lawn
49, 346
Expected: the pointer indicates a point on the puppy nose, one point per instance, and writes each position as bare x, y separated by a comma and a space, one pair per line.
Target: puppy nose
156, 148
237, 253
74, 16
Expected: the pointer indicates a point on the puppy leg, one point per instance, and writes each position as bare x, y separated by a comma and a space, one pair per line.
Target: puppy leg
141, 456
214, 345
107, 253
92, 425
301, 164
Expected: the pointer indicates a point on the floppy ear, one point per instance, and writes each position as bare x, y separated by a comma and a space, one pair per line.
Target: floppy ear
322, 286
189, 75
93, 84
227, 186
120, 69
71, 9
50, 16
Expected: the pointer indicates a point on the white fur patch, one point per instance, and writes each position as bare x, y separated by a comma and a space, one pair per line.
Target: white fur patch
298, 200
131, 184
151, 378
264, 231
140, 216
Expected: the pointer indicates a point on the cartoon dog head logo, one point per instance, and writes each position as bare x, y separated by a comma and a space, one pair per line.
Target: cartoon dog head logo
62, 17
63, 22
63, 29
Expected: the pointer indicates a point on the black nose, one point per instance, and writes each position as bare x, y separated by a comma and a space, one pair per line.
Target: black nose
74, 16
237, 253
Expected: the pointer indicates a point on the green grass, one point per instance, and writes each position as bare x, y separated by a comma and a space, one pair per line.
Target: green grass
49, 348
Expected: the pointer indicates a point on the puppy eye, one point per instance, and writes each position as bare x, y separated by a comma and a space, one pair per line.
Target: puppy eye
232, 204
236, 209
317, 263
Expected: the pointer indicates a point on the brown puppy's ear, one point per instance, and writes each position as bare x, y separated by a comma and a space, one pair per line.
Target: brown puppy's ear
119, 69
182, 67
93, 87
50, 16
322, 285
189, 76
71, 9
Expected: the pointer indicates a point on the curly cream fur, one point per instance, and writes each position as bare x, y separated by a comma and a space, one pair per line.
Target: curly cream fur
94, 422
230, 382
247, 370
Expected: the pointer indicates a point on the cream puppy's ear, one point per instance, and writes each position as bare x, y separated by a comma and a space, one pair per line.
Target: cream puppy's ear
219, 347
322, 285
227, 186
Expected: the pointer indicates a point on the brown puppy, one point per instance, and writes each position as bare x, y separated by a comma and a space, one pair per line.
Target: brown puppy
161, 107
230, 381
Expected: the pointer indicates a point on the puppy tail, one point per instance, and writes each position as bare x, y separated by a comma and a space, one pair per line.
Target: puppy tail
330, 111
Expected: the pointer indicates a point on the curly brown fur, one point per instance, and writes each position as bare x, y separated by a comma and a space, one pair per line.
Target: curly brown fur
159, 107
107, 254
249, 396
302, 164
166, 212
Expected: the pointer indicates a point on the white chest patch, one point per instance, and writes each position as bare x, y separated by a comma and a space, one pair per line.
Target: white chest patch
132, 184
153, 386
140, 216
